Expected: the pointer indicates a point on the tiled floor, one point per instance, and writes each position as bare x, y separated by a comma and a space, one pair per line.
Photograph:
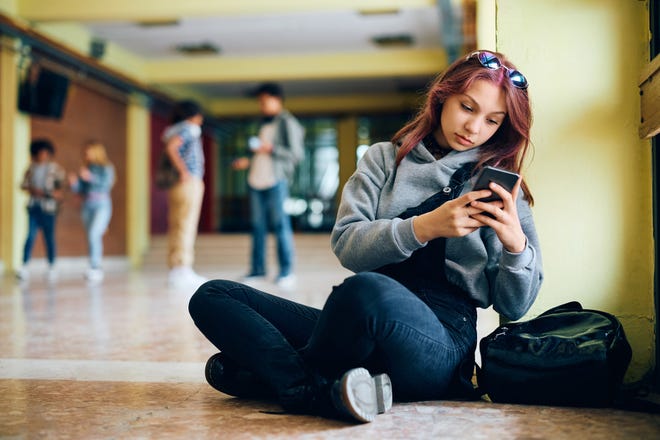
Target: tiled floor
122, 359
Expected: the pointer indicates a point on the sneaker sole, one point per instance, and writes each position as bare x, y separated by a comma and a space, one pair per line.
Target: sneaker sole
365, 396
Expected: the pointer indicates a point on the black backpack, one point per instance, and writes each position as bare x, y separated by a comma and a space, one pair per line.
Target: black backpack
567, 356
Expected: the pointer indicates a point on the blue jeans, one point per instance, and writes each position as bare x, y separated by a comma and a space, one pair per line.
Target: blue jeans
96, 216
39, 219
370, 320
267, 208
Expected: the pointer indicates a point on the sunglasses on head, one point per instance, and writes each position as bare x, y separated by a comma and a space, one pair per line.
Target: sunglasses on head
490, 61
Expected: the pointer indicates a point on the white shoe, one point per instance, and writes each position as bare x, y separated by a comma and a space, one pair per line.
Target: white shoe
286, 282
185, 278
177, 278
94, 275
22, 273
196, 278
51, 274
362, 396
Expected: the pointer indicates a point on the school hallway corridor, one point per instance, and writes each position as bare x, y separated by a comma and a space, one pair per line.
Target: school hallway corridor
123, 360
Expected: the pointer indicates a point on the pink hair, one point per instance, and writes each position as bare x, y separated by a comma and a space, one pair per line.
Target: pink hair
508, 147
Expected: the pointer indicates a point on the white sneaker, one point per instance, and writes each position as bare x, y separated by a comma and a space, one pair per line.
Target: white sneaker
94, 275
286, 282
51, 274
196, 278
22, 273
362, 396
185, 278
176, 277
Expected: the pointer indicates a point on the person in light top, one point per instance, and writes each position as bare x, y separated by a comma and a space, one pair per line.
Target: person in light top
93, 182
273, 157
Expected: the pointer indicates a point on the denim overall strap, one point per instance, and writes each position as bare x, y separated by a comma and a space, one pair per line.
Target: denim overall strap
424, 274
425, 269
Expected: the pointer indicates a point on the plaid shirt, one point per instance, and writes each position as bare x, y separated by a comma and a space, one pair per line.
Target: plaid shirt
53, 180
191, 150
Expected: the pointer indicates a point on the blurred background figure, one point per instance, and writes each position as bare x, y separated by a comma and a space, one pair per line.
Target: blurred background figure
44, 181
94, 182
274, 154
184, 148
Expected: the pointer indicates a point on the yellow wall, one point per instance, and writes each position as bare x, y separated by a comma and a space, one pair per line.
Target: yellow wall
8, 6
137, 194
14, 158
591, 174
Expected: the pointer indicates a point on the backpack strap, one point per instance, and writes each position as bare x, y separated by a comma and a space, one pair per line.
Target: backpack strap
283, 132
571, 306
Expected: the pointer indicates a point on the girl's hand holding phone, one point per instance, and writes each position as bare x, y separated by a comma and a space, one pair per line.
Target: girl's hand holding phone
502, 216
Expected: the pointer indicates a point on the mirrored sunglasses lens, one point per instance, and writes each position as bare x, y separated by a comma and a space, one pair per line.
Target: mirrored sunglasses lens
489, 60
518, 79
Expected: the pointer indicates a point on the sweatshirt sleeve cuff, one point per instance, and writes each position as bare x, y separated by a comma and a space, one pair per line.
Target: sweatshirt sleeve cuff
406, 236
517, 261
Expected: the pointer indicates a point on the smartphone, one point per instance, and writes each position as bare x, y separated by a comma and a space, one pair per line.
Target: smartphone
505, 179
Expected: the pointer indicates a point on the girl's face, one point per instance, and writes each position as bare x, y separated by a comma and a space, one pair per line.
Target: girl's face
471, 118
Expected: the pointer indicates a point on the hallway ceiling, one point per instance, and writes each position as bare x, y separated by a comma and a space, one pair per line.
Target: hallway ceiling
311, 48
296, 34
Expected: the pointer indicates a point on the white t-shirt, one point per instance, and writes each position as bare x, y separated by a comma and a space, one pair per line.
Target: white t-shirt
262, 175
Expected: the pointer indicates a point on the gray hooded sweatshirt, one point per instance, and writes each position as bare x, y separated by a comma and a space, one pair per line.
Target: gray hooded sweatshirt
368, 234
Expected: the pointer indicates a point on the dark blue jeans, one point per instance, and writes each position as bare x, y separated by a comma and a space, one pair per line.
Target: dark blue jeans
39, 219
370, 320
267, 209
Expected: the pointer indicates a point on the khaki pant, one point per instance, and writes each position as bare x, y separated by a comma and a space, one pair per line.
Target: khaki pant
185, 204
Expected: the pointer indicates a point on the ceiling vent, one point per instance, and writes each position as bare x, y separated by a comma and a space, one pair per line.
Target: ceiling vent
204, 48
398, 40
158, 23
375, 11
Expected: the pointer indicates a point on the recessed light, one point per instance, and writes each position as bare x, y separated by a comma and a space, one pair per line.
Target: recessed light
158, 23
383, 11
396, 40
203, 48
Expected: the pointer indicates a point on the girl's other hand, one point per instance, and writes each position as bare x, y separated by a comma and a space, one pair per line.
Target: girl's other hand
455, 218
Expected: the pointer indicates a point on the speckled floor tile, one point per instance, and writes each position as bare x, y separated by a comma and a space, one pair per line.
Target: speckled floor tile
122, 359
76, 409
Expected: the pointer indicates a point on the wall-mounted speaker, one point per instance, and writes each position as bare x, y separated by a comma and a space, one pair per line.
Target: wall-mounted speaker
43, 94
97, 48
